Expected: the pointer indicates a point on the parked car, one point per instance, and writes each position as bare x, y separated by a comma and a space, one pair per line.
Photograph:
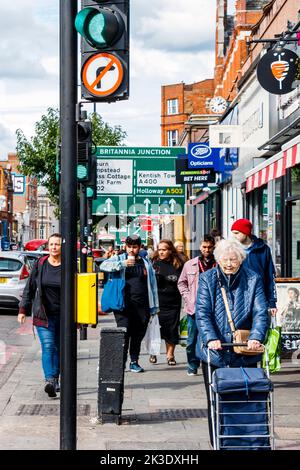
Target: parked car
14, 272
36, 245
32, 256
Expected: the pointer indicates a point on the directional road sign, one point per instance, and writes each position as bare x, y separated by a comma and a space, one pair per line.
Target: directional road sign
138, 180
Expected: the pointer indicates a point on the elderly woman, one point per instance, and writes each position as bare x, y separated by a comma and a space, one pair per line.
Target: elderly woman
247, 304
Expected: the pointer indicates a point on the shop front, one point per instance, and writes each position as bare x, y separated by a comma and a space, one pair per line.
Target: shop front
273, 204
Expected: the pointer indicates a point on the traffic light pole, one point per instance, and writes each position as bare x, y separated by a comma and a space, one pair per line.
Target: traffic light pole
83, 229
68, 205
83, 243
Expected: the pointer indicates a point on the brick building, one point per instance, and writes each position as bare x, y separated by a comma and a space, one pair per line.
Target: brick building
178, 102
6, 204
25, 225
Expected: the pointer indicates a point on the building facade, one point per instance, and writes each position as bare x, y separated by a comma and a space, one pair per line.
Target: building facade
47, 218
6, 205
262, 178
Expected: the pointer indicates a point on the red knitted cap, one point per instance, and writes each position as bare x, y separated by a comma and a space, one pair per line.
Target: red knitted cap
242, 225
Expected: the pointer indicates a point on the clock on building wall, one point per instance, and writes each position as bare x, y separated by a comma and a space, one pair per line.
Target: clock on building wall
218, 104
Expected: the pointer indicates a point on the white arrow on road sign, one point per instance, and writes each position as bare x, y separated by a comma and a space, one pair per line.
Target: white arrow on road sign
136, 232
172, 203
108, 204
147, 203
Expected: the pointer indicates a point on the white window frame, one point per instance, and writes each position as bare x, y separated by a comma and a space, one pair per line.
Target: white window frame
172, 106
172, 137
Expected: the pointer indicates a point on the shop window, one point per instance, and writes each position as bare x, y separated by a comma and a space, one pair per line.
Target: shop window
278, 226
295, 180
263, 212
295, 226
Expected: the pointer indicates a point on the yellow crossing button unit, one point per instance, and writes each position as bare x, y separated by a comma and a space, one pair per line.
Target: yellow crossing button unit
87, 284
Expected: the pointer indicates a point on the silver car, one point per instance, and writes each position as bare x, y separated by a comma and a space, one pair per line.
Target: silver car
14, 272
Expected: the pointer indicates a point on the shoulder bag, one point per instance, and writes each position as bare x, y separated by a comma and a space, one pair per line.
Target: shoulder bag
239, 336
113, 293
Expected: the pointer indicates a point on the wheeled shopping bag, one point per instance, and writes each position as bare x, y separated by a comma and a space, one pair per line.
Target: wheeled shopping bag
241, 408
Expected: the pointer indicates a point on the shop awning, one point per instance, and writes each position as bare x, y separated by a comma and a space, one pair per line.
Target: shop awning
204, 195
275, 166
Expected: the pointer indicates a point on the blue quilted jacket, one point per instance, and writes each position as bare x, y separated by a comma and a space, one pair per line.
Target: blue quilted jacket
248, 307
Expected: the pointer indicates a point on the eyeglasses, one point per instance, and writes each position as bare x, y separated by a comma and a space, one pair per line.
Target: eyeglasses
232, 261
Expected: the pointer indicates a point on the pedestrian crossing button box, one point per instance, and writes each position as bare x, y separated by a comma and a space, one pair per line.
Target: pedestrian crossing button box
87, 298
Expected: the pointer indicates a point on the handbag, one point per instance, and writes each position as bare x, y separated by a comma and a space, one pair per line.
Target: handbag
183, 331
239, 336
113, 293
152, 337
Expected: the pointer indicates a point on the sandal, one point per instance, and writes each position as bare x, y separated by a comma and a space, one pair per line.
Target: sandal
153, 359
171, 361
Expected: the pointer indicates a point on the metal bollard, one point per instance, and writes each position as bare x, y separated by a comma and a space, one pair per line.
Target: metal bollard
111, 375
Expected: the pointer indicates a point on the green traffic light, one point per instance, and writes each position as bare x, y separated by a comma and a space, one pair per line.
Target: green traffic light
81, 172
99, 27
89, 192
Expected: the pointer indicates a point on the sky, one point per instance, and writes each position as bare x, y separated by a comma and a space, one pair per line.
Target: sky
170, 41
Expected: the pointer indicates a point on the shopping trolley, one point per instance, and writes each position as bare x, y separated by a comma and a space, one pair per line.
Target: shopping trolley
242, 407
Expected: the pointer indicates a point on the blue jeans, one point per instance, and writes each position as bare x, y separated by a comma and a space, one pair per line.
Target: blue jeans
192, 360
49, 339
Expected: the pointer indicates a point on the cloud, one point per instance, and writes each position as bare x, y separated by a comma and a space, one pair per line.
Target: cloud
7, 140
24, 44
177, 26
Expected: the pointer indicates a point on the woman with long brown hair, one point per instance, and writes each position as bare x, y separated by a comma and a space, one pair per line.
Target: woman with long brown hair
168, 265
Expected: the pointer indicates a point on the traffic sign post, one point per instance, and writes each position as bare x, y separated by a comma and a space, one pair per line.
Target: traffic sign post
138, 180
68, 205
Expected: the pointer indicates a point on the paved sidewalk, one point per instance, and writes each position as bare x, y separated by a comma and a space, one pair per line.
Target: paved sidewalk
163, 409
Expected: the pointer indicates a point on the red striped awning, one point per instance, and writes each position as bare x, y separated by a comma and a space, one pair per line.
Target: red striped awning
273, 168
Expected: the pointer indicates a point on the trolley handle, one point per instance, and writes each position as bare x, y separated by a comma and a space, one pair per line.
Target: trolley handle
233, 345
236, 344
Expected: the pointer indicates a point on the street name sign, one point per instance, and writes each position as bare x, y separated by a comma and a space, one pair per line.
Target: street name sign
138, 180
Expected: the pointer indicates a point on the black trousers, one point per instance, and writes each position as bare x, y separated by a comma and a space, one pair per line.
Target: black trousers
135, 319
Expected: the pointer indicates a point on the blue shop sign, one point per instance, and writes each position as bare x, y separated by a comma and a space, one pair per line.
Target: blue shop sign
201, 155
227, 163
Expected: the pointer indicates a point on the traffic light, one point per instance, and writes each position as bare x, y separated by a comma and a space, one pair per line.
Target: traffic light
91, 185
104, 30
84, 148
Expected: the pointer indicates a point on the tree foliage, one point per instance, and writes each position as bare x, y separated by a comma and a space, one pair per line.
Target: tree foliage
38, 154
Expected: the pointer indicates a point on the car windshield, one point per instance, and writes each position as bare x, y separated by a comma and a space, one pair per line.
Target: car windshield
8, 264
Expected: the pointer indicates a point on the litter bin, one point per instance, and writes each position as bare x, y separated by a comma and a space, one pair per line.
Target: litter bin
111, 375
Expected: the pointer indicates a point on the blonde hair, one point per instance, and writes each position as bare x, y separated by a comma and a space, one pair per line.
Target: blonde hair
229, 246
